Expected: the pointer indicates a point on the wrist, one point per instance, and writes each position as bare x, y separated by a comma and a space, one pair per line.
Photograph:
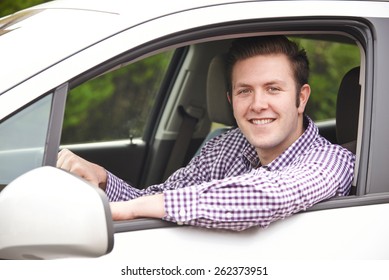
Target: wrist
151, 206
102, 177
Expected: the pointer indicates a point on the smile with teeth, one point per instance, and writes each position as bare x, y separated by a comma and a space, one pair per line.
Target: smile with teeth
261, 121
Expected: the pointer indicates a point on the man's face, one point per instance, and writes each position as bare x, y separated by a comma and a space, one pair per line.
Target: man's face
264, 104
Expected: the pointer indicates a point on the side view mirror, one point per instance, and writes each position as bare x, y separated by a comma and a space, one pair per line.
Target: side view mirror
48, 213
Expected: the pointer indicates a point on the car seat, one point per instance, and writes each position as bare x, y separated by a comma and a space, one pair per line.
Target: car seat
347, 110
218, 107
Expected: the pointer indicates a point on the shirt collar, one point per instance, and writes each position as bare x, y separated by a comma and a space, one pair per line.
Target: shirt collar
299, 146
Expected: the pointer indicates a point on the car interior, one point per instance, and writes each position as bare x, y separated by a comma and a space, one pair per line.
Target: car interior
342, 130
191, 107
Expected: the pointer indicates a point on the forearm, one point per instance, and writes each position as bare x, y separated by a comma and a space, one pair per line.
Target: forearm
150, 206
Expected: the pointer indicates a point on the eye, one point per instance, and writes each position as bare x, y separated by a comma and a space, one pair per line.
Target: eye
244, 91
273, 90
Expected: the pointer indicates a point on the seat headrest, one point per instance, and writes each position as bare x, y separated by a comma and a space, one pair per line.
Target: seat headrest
219, 109
347, 108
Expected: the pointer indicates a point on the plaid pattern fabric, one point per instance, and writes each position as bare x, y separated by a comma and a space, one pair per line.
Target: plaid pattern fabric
224, 186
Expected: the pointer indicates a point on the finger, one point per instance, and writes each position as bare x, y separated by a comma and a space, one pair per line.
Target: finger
60, 159
69, 161
63, 158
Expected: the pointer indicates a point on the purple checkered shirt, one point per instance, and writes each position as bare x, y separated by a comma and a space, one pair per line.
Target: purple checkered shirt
222, 187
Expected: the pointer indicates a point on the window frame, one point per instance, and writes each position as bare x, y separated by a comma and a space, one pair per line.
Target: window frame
355, 27
359, 29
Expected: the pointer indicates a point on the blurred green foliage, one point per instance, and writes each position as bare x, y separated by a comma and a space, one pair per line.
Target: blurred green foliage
8, 7
329, 61
115, 105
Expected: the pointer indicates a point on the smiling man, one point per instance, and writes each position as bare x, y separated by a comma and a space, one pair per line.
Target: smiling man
273, 165
265, 105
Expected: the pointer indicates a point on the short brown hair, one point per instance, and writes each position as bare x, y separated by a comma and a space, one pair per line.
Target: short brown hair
244, 48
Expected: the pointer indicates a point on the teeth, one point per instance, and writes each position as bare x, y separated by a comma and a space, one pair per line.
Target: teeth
262, 121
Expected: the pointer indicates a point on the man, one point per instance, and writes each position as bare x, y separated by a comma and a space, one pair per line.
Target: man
273, 165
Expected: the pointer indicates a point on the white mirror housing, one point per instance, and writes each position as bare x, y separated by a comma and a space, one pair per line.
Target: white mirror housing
48, 213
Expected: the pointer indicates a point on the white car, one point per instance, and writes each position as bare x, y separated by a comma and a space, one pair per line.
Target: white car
118, 83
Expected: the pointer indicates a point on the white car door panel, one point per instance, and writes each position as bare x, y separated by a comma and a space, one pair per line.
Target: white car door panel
325, 234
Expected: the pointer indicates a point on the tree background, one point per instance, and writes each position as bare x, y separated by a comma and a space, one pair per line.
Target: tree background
329, 62
8, 7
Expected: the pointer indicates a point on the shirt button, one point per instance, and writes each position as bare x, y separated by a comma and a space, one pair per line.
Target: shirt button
182, 213
180, 223
229, 215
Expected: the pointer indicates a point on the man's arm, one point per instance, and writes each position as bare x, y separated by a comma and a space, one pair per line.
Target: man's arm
151, 206
256, 198
91, 172
145, 206
260, 197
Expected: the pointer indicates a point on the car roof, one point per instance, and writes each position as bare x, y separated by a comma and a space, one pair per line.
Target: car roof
73, 26
122, 6
42, 36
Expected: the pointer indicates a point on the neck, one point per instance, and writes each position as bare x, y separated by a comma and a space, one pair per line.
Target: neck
266, 156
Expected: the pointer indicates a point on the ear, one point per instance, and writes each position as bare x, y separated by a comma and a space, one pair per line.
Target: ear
305, 92
229, 97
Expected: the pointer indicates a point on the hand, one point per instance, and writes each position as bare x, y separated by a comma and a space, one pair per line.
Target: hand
151, 206
91, 172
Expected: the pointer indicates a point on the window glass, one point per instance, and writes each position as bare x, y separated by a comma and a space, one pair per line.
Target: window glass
329, 61
23, 138
114, 105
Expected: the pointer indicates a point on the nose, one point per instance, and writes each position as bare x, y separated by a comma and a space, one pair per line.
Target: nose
259, 101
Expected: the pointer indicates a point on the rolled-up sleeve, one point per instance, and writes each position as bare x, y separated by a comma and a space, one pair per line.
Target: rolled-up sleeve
263, 196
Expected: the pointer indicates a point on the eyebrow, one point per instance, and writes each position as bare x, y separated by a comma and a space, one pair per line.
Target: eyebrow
272, 82
276, 82
241, 85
